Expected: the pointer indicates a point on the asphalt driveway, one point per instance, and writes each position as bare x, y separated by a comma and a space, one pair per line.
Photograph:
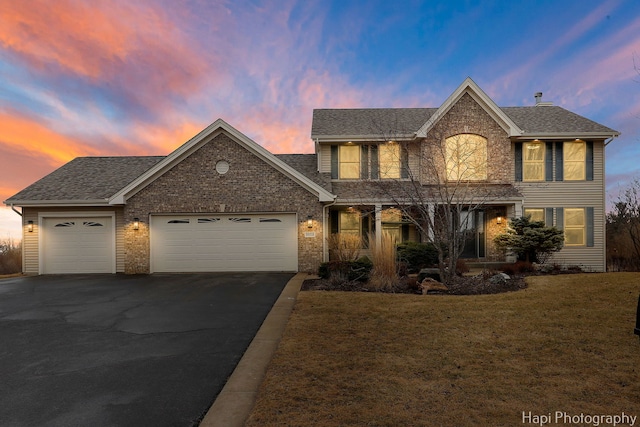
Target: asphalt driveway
116, 350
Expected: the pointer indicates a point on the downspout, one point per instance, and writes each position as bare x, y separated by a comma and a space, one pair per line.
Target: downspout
15, 210
609, 140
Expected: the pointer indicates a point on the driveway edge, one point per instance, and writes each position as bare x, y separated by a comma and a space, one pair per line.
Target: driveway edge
237, 398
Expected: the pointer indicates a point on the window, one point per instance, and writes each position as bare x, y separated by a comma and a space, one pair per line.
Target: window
466, 158
535, 214
574, 227
575, 155
349, 223
349, 158
392, 223
533, 161
389, 160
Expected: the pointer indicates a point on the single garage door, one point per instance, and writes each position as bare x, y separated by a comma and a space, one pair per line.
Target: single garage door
242, 242
77, 245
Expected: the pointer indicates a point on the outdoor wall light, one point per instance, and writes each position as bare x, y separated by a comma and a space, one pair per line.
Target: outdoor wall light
136, 223
499, 219
309, 221
30, 226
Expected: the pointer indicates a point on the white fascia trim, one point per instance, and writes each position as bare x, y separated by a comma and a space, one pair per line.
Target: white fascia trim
567, 135
470, 87
58, 203
200, 139
361, 138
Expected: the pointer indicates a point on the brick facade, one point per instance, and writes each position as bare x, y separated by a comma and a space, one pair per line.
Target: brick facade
467, 116
194, 186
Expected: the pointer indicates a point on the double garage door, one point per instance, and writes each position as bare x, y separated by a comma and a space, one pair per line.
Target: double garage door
241, 242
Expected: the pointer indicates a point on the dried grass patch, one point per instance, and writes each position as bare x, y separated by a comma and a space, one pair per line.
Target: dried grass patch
565, 343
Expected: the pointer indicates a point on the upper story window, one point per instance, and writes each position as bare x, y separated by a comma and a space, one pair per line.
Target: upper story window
575, 154
533, 161
349, 160
466, 158
389, 160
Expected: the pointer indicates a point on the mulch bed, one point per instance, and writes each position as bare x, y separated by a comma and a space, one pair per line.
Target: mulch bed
463, 285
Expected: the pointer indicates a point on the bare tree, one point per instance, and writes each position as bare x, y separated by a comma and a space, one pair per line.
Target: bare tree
623, 227
442, 192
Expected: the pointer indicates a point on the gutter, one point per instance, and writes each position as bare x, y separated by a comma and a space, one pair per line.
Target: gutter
15, 210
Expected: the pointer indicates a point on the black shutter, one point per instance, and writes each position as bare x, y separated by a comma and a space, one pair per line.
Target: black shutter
375, 169
590, 224
548, 162
364, 162
548, 217
589, 169
334, 221
518, 155
559, 162
334, 162
560, 218
404, 162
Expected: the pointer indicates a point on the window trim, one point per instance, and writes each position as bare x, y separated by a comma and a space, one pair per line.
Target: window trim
449, 165
581, 162
582, 227
542, 162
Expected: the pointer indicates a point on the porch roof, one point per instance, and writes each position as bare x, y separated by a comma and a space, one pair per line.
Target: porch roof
392, 192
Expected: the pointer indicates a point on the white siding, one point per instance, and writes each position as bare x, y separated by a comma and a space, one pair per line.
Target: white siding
325, 158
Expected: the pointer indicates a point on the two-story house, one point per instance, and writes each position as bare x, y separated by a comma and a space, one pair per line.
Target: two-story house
221, 202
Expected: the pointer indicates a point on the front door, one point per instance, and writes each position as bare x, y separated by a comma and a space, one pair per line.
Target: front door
474, 225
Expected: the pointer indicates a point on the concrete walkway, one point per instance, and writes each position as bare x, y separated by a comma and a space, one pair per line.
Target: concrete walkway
236, 400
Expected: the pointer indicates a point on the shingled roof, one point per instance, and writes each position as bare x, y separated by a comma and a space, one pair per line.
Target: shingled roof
86, 178
406, 121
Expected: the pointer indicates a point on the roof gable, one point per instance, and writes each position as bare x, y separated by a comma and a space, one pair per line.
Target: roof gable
470, 87
203, 138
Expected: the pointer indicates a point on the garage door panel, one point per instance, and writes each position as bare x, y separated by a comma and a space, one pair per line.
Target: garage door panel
224, 243
77, 245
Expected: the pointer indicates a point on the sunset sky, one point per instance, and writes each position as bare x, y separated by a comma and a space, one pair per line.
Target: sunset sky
140, 77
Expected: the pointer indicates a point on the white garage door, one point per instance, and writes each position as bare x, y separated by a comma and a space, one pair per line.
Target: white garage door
77, 245
242, 242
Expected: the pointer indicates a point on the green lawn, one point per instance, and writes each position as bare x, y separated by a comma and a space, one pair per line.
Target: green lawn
565, 343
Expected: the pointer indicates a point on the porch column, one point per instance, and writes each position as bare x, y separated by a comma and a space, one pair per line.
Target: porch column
378, 218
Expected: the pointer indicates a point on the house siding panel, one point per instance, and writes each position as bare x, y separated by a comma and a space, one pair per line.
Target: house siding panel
325, 159
575, 194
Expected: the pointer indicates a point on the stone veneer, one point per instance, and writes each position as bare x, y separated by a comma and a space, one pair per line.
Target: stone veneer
194, 186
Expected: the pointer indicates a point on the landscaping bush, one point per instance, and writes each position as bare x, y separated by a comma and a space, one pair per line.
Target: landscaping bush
417, 255
520, 267
10, 257
384, 274
347, 271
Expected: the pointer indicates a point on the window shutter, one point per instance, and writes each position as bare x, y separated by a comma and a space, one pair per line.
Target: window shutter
334, 162
375, 170
364, 162
590, 223
404, 162
559, 162
548, 217
548, 162
518, 154
560, 218
589, 168
364, 231
334, 221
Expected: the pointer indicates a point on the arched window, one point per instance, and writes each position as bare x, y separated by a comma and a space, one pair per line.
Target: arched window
466, 157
